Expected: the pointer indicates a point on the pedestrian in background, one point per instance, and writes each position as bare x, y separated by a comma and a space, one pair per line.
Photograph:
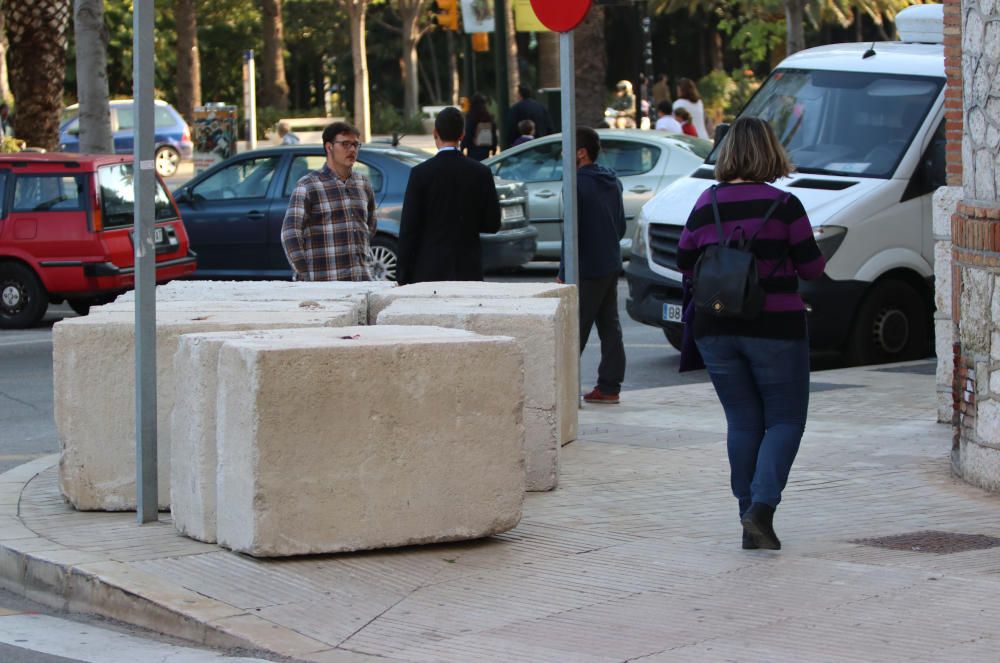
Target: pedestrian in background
689, 99
661, 91
600, 228
759, 367
665, 119
480, 136
6, 127
449, 200
286, 135
526, 129
526, 108
683, 120
331, 215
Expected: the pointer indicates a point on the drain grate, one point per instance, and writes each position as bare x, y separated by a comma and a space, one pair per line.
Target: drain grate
941, 543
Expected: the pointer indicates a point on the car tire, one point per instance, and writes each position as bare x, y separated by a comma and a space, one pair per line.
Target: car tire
23, 300
167, 159
891, 325
675, 336
80, 306
385, 256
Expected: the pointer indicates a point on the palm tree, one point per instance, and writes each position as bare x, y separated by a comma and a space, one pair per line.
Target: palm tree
92, 76
274, 86
37, 32
188, 59
591, 69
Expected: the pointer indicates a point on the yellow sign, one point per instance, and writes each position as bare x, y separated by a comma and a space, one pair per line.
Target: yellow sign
525, 19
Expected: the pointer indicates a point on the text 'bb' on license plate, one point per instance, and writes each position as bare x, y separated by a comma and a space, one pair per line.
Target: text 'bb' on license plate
673, 312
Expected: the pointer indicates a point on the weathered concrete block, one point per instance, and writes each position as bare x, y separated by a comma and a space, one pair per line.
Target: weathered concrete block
94, 394
537, 326
367, 437
569, 389
261, 290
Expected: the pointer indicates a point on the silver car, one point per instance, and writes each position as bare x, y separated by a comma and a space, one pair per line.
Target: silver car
645, 161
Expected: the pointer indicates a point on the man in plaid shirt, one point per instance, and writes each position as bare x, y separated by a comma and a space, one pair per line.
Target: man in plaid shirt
331, 215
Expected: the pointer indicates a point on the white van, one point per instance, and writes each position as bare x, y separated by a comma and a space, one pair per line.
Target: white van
863, 124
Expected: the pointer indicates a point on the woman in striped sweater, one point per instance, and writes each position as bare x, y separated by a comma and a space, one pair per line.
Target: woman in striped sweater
759, 367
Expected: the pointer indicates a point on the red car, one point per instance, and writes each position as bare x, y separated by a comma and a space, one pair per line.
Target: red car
66, 233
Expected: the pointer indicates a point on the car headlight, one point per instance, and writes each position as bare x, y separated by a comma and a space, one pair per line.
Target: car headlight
829, 239
639, 249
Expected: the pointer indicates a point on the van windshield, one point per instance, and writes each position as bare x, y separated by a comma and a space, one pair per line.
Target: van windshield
841, 122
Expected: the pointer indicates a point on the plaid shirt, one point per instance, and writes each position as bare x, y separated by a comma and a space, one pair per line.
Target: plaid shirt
327, 227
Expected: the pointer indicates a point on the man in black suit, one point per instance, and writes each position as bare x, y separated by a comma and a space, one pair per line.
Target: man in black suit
450, 199
526, 109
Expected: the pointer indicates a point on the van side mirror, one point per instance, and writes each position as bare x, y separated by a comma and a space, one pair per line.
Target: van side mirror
721, 130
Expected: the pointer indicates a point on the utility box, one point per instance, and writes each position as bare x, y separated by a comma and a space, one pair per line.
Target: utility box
551, 98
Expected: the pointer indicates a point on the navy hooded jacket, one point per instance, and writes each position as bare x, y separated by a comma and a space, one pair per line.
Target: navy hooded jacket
600, 222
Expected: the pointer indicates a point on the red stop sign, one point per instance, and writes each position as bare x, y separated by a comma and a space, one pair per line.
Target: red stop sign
560, 15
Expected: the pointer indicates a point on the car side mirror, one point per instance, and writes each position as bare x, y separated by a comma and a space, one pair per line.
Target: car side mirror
721, 130
183, 195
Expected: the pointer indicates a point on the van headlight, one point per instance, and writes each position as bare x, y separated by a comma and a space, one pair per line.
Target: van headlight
639, 241
829, 239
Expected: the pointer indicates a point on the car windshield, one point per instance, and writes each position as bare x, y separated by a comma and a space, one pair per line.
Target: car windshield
843, 123
118, 196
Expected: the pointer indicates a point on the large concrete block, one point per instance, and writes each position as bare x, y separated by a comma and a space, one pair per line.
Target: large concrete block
261, 290
367, 437
537, 326
94, 393
569, 389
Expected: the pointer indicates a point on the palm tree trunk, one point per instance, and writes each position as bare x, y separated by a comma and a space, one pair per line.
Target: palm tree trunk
188, 60
591, 69
357, 10
92, 76
513, 70
274, 86
794, 14
37, 34
548, 59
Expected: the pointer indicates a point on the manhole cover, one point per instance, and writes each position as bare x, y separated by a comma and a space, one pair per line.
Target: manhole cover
941, 543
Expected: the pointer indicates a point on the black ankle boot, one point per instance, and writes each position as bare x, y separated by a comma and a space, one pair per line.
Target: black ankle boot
758, 522
748, 542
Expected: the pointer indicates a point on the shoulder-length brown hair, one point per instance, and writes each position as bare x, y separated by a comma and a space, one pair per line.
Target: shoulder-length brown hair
750, 151
686, 89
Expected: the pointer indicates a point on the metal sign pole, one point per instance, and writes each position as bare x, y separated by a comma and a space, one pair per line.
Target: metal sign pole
144, 183
567, 73
250, 96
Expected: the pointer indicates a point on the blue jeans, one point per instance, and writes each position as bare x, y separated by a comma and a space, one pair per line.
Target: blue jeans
763, 384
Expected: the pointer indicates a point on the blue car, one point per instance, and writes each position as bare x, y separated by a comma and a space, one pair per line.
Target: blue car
172, 134
233, 211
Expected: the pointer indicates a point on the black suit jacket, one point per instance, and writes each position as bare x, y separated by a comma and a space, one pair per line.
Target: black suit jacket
450, 199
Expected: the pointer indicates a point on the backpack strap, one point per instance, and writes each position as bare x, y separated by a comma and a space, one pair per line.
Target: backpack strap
715, 211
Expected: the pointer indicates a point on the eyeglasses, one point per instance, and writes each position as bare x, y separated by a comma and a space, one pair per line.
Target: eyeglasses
348, 144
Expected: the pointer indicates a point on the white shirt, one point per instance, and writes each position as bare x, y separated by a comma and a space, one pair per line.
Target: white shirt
697, 110
669, 124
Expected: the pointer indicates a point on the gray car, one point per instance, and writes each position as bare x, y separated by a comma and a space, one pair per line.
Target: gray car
646, 161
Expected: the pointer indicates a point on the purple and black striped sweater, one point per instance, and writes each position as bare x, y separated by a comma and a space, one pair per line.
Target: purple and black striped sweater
742, 207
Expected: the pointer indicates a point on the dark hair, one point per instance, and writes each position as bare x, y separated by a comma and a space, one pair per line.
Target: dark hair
588, 139
524, 91
682, 114
751, 152
526, 128
449, 124
686, 89
334, 129
665, 107
478, 111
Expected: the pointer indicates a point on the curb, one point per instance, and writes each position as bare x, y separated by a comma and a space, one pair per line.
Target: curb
73, 580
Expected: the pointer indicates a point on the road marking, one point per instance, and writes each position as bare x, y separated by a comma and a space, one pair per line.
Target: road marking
29, 341
83, 642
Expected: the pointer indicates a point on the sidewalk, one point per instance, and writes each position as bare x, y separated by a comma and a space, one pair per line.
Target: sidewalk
635, 557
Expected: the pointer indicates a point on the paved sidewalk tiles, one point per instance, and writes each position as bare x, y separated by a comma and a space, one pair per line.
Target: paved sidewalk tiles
636, 557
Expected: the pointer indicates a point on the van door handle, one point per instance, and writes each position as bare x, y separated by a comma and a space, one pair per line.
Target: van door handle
641, 188
545, 193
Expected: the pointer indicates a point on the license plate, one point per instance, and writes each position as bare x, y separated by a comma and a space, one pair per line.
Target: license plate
512, 212
673, 313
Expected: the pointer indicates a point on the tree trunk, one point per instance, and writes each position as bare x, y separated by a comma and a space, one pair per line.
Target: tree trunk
548, 59
716, 55
92, 76
591, 69
357, 10
410, 12
37, 34
794, 14
274, 87
188, 60
4, 80
453, 80
513, 71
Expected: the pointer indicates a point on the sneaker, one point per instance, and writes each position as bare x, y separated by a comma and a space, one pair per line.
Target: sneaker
598, 396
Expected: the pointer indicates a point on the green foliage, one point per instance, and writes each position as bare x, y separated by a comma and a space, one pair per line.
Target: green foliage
753, 38
387, 119
267, 117
11, 144
725, 94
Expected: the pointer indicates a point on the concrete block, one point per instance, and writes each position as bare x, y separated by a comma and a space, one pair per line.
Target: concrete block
94, 394
537, 326
569, 389
262, 290
367, 437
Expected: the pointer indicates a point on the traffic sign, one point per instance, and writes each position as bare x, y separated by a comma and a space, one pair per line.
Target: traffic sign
561, 15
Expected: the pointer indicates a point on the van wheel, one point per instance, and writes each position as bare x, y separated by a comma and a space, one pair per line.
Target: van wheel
80, 306
167, 159
23, 300
675, 336
385, 255
891, 325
